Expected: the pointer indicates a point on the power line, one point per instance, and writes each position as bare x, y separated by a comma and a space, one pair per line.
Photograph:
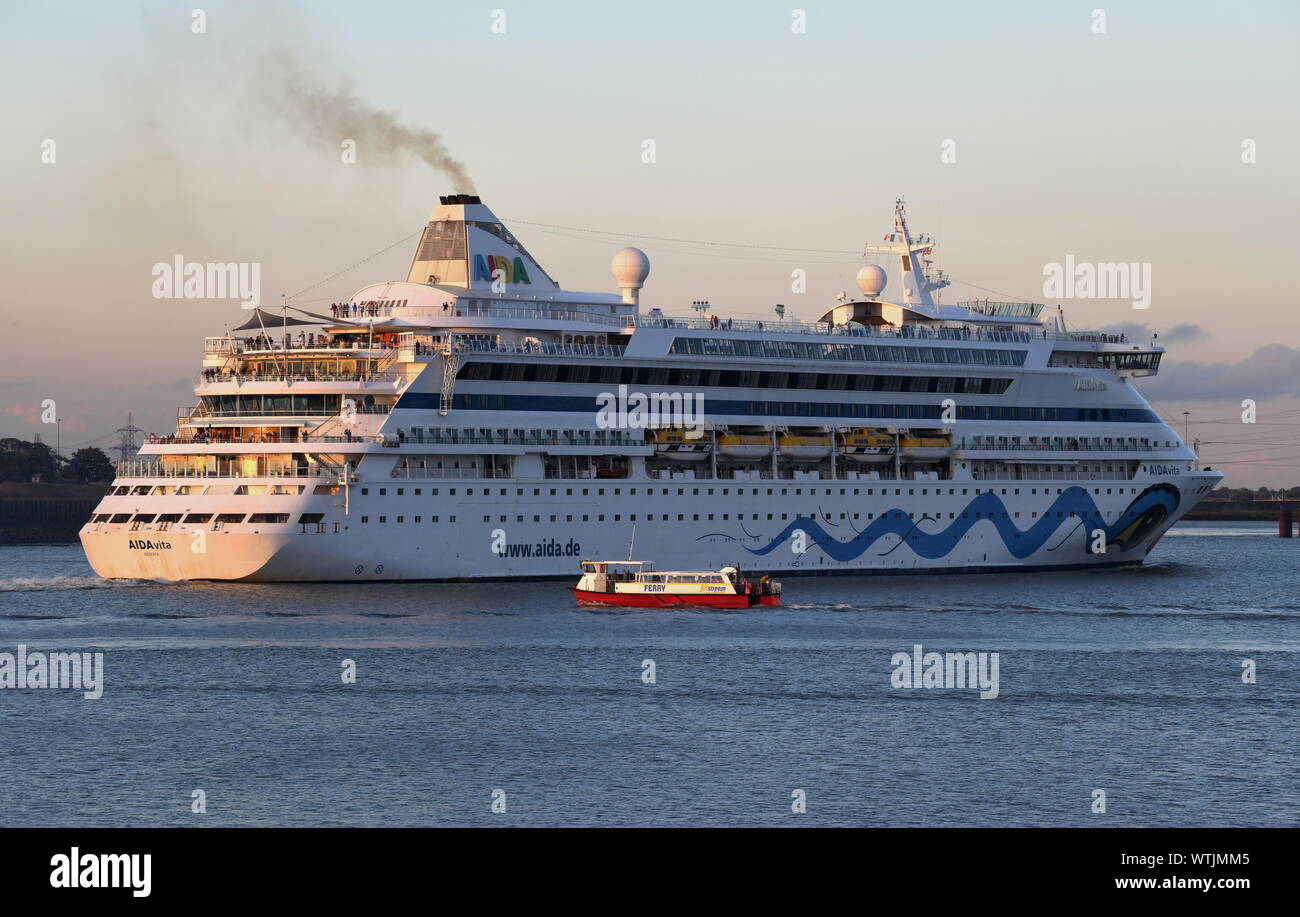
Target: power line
633, 235
358, 264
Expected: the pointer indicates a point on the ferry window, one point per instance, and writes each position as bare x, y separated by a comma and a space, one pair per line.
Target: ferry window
191, 519
144, 517
568, 518
230, 517
487, 518
434, 492
400, 518
517, 519
365, 519
696, 517
552, 518
417, 520
586, 518
273, 518
451, 518
383, 519
365, 491
383, 491
417, 491
600, 518
401, 491
452, 492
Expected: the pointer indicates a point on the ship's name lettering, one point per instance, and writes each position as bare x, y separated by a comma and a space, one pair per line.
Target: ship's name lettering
144, 544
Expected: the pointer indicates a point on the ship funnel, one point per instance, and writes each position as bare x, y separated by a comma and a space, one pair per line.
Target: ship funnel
465, 245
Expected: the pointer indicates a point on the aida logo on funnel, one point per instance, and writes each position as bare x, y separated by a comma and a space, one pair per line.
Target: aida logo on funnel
511, 272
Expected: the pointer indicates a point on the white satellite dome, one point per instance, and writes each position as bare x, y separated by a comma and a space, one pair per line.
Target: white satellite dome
872, 279
630, 267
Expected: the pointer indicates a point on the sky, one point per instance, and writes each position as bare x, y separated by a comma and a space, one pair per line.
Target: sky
1020, 134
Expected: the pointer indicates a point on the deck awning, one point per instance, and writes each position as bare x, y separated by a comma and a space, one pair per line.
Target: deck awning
262, 319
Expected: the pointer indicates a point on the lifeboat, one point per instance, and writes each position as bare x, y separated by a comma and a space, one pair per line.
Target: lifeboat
925, 448
804, 448
867, 445
636, 584
744, 447
678, 445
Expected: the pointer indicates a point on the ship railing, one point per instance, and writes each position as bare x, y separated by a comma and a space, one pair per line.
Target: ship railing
462, 437
565, 350
1098, 337
452, 309
214, 377
416, 473
136, 468
199, 415
851, 329
201, 440
1055, 444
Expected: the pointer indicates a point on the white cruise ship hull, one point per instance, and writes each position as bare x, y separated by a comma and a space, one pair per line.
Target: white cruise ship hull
893, 533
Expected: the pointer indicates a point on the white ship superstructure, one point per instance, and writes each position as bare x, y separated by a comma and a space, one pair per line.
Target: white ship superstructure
476, 421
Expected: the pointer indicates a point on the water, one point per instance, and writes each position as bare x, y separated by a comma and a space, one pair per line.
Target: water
1125, 681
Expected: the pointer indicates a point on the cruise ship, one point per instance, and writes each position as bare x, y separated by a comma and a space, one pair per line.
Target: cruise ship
476, 421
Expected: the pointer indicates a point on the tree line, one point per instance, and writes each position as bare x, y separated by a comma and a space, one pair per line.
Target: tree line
22, 461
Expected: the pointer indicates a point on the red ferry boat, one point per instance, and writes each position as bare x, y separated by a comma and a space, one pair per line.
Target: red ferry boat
636, 584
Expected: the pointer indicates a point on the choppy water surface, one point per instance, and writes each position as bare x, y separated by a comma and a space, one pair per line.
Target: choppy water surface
1126, 681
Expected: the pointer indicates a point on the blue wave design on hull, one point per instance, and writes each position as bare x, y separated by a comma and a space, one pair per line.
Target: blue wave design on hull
1142, 516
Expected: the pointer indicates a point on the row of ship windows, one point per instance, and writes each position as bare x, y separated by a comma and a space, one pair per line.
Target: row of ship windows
753, 491
872, 353
741, 517
314, 518
726, 378
717, 407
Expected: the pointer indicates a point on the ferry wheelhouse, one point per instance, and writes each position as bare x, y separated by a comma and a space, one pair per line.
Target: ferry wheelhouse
456, 424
